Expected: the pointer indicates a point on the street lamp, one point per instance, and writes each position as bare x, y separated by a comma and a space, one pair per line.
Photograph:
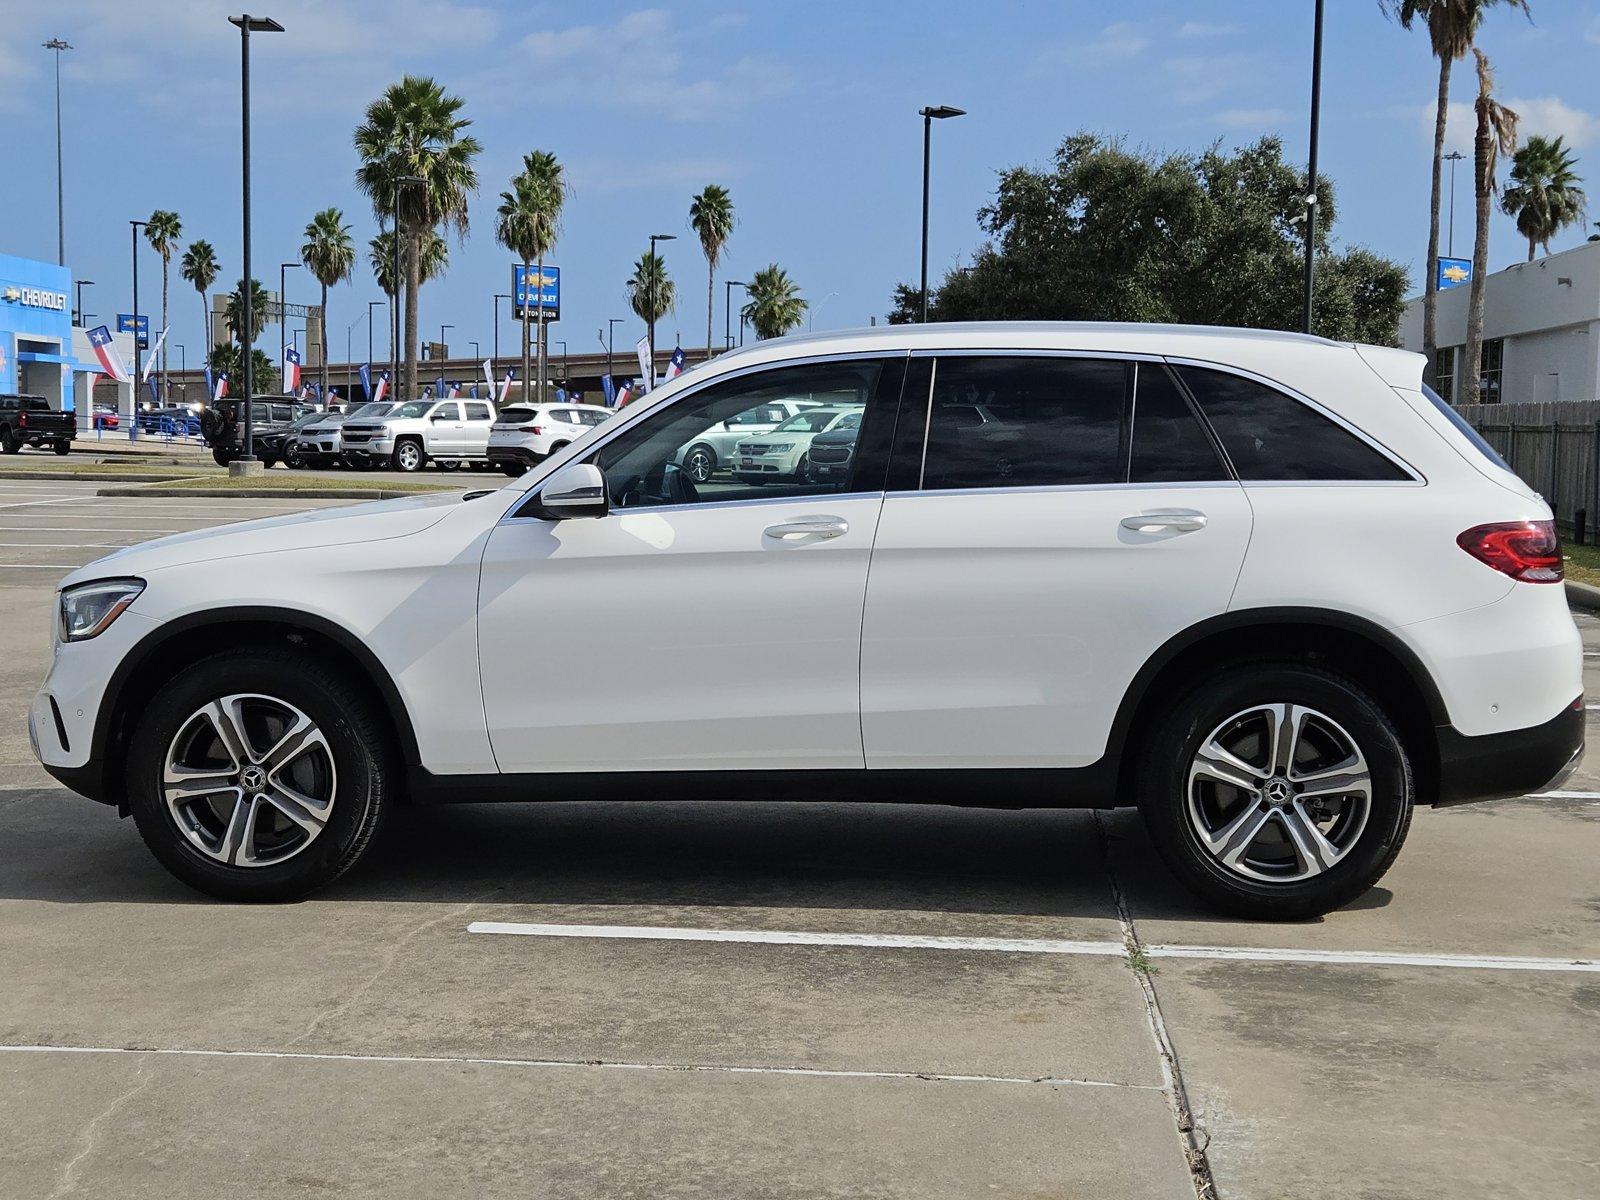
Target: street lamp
133, 386
727, 308
649, 384
1452, 158
58, 46
283, 311
475, 354
495, 365
929, 116
80, 285
247, 25
394, 346
443, 346
812, 310
563, 346
1311, 165
611, 334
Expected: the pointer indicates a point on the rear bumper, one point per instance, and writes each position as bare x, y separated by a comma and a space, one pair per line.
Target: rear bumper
1500, 765
514, 454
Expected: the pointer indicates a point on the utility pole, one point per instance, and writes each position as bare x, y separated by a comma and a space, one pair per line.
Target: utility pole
58, 45
1311, 168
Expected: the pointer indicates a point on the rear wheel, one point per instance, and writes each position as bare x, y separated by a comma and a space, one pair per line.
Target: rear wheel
221, 457
63, 448
9, 442
700, 463
1276, 792
293, 456
513, 469
408, 456
446, 464
258, 774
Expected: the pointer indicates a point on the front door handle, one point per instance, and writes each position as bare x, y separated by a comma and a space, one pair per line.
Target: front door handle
1173, 520
819, 528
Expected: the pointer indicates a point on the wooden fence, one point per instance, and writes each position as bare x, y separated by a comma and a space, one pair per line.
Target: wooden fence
1555, 448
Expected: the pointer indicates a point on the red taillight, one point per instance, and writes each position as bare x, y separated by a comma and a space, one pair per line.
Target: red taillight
1528, 551
530, 429
22, 419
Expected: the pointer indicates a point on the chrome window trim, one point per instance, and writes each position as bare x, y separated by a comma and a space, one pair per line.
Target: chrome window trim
1417, 478
623, 424
1045, 488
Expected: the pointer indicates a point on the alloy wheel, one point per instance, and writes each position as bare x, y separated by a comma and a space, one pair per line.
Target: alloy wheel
700, 464
249, 780
1278, 793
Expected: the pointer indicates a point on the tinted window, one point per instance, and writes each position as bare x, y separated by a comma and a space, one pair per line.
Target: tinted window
1169, 445
479, 412
1466, 431
513, 416
762, 414
31, 405
590, 417
1269, 435
645, 466
1026, 422
447, 412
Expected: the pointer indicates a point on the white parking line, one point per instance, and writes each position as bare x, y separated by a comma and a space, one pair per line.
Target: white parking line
61, 545
591, 1064
1105, 949
1562, 796
80, 529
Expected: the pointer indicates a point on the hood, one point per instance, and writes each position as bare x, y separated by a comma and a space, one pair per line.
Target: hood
372, 522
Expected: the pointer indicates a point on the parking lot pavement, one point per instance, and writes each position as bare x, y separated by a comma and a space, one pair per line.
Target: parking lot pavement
365, 1043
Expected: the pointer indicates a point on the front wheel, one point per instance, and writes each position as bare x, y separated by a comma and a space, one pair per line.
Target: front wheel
258, 774
408, 456
294, 457
700, 463
1276, 792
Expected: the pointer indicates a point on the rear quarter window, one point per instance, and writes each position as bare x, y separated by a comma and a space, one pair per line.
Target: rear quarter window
1268, 435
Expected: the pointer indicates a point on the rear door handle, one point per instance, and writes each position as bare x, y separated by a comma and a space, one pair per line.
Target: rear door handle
820, 528
1174, 520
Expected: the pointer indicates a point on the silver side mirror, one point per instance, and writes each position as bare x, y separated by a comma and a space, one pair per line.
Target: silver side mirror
577, 490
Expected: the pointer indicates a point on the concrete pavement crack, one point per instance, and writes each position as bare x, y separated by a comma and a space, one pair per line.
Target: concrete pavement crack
1193, 1144
67, 1183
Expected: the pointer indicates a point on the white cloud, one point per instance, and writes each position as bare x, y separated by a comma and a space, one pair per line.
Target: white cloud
1196, 78
600, 175
1252, 118
1192, 30
1116, 42
1548, 116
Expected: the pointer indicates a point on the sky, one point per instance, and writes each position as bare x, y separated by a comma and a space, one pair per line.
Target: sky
806, 113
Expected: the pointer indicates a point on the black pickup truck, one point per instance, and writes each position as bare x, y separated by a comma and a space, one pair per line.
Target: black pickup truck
30, 421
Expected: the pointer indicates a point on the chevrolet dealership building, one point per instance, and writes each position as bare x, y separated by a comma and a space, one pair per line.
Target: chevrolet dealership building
36, 355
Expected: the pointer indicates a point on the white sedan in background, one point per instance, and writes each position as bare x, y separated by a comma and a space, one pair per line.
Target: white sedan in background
713, 448
781, 454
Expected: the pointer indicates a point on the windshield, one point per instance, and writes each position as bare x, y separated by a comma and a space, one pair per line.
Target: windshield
371, 409
413, 409
814, 421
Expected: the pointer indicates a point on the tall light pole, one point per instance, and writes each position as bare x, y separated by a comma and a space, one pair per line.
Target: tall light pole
1311, 165
247, 25
727, 308
349, 378
611, 337
813, 309
371, 304
649, 384
394, 347
939, 112
563, 346
443, 346
133, 387
494, 366
283, 314
80, 285
475, 354
58, 45
1452, 158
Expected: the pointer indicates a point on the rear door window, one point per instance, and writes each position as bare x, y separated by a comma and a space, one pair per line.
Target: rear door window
1169, 443
1014, 421
479, 412
1269, 435
447, 412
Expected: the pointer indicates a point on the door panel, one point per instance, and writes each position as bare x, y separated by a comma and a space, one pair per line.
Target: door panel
1003, 628
680, 639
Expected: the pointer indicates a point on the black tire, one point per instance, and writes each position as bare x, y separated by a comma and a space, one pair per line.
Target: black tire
9, 442
513, 469
63, 448
700, 462
1163, 781
221, 457
446, 464
756, 480
293, 457
409, 456
356, 738
268, 461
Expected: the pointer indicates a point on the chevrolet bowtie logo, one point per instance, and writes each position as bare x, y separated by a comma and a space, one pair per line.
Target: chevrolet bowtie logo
13, 294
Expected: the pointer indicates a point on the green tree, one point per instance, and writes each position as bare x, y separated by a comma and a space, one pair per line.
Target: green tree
225, 360
200, 268
711, 218
652, 295
330, 256
380, 253
775, 306
1496, 135
1544, 195
1451, 24
1109, 234
163, 231
529, 221
415, 130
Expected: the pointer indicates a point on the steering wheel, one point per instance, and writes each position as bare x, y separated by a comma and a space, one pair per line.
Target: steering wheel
667, 483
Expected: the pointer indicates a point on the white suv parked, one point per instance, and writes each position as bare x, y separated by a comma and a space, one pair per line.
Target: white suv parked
414, 431
1263, 586
525, 434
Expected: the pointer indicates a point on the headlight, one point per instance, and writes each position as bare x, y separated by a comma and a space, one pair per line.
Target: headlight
88, 609
779, 447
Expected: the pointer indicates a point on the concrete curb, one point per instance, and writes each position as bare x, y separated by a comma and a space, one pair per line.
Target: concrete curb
110, 474
1583, 595
272, 493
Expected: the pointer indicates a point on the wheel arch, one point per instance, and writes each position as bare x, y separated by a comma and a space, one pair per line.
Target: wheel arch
1361, 650
186, 640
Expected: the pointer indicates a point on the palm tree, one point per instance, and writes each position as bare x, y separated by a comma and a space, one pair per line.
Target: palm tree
529, 223
330, 256
1452, 24
1496, 135
414, 130
1544, 195
652, 295
225, 360
711, 218
163, 230
775, 305
200, 268
234, 311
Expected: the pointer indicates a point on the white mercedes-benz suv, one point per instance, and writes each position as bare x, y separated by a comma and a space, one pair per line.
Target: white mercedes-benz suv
1262, 586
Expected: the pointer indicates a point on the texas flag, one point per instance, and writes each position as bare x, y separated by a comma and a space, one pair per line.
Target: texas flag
675, 363
455, 390
383, 387
505, 385
222, 388
624, 393
106, 351
291, 369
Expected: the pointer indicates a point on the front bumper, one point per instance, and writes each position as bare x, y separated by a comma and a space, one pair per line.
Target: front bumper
1497, 766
